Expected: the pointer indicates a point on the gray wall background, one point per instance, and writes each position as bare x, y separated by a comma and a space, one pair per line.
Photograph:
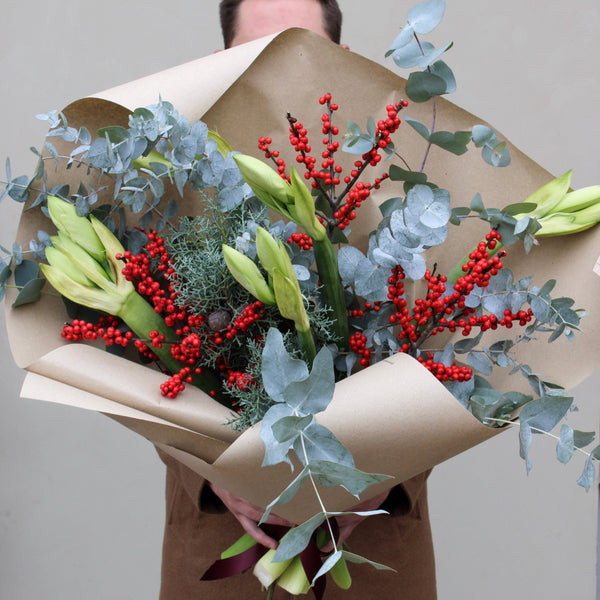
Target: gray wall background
81, 498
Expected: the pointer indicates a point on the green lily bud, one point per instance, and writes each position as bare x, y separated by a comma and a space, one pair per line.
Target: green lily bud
86, 295
294, 579
560, 212
113, 249
65, 218
548, 196
341, 575
567, 223
270, 252
247, 274
81, 260
267, 571
579, 199
62, 262
305, 208
222, 146
268, 185
289, 301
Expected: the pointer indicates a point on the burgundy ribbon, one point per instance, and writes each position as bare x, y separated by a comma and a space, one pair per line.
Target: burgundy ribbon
311, 558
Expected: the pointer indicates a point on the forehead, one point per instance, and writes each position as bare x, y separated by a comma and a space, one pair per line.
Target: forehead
257, 18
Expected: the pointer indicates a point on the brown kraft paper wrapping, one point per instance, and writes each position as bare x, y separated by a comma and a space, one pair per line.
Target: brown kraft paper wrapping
394, 417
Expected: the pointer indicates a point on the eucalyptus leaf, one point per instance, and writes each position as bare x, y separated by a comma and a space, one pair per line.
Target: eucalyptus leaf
318, 443
422, 86
566, 444
360, 560
288, 493
297, 538
279, 369
426, 16
31, 292
333, 474
588, 476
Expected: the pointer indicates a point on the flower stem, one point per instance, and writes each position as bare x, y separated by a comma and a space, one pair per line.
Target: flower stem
333, 290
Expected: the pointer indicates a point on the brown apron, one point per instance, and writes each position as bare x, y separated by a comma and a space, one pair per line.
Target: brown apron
198, 528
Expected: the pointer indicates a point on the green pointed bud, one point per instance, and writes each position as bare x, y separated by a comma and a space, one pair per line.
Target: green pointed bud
269, 251
579, 199
81, 260
248, 275
294, 579
267, 571
222, 146
548, 196
268, 185
113, 249
63, 263
568, 223
145, 161
289, 300
90, 296
341, 575
65, 218
305, 208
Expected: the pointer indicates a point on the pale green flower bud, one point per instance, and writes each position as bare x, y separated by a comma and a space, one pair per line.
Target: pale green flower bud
567, 223
548, 196
87, 295
579, 199
289, 300
65, 218
63, 263
268, 185
294, 579
304, 205
270, 251
81, 260
248, 275
267, 571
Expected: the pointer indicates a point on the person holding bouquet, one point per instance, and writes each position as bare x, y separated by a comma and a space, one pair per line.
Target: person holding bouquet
203, 519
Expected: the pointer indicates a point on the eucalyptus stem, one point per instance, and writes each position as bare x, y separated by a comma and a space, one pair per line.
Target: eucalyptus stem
271, 590
333, 290
536, 429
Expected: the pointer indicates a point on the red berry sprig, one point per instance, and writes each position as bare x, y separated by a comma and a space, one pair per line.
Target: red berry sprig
325, 174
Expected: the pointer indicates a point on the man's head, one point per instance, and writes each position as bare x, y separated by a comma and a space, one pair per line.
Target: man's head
246, 20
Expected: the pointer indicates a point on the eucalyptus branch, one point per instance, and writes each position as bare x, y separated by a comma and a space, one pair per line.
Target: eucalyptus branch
314, 486
549, 434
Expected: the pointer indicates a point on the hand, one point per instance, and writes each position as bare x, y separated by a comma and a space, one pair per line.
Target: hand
347, 523
249, 515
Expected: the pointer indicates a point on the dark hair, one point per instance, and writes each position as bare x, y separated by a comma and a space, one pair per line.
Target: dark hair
332, 19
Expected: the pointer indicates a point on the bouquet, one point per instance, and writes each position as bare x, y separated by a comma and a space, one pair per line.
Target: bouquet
373, 281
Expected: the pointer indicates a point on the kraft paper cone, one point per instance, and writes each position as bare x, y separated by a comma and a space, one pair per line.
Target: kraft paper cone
395, 405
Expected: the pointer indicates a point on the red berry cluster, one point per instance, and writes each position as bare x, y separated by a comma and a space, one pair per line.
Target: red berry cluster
358, 344
439, 311
176, 383
106, 329
239, 380
302, 240
452, 373
326, 174
195, 335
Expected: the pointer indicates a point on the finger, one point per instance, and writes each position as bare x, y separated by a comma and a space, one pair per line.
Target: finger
257, 533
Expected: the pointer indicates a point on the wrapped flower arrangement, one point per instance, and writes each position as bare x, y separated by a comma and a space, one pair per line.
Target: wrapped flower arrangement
277, 298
